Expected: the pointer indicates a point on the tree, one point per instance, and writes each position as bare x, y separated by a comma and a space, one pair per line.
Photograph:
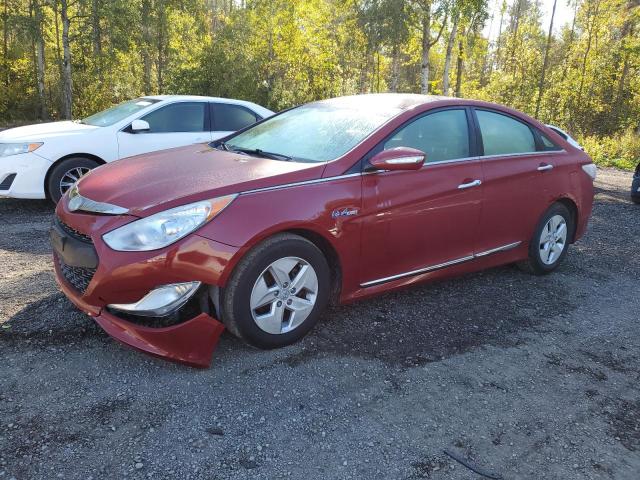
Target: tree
546, 58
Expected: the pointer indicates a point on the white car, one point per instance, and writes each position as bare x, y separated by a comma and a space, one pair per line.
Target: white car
45, 160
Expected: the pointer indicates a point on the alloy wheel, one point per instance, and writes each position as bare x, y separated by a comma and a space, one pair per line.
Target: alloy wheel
284, 295
72, 176
553, 239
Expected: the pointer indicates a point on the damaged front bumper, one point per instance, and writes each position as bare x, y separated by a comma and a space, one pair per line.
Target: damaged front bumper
104, 284
191, 342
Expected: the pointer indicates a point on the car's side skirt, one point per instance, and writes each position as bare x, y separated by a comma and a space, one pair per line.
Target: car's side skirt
440, 266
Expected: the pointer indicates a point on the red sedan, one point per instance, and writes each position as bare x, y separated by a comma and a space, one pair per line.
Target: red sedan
333, 201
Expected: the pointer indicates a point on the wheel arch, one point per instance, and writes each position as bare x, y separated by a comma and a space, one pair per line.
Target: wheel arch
330, 253
321, 241
89, 156
573, 210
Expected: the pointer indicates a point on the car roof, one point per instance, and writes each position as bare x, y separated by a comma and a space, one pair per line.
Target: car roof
393, 101
254, 106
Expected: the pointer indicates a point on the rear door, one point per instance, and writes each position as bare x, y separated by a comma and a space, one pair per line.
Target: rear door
228, 118
428, 218
174, 125
519, 173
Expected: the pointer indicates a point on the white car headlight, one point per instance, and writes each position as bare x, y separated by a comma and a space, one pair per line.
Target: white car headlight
7, 149
165, 228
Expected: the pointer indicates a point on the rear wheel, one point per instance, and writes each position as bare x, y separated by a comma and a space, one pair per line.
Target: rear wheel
277, 292
66, 173
550, 241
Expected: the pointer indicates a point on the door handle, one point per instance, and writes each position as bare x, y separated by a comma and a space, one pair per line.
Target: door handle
475, 183
544, 167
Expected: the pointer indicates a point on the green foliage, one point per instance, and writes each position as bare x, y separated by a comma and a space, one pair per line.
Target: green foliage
281, 53
620, 151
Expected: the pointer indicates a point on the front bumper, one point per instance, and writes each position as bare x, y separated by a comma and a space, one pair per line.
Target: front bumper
125, 277
28, 171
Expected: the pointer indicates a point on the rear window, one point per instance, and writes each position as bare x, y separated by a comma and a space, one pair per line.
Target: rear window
502, 135
229, 118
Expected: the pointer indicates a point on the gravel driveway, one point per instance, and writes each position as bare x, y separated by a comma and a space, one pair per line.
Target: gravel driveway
527, 377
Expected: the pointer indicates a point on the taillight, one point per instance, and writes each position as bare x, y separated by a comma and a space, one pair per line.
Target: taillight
591, 170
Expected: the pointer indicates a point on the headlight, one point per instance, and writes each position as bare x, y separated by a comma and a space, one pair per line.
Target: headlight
7, 149
165, 228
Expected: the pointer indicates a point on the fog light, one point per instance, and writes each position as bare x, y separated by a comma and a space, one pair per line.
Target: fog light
160, 301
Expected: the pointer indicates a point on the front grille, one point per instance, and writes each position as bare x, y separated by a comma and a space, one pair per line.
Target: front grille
74, 233
6, 183
78, 277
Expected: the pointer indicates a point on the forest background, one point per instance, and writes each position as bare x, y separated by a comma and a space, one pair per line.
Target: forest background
572, 63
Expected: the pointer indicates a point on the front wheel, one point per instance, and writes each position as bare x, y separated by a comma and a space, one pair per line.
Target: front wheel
65, 173
550, 241
277, 292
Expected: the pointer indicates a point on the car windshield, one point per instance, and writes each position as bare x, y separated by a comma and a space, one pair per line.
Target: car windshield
119, 112
317, 132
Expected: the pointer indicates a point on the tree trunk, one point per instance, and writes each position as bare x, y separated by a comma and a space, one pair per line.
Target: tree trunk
459, 66
161, 45
145, 13
67, 86
545, 62
5, 43
583, 70
40, 61
395, 67
447, 58
499, 37
516, 26
96, 32
426, 47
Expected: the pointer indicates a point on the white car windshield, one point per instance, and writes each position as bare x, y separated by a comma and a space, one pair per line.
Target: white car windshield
317, 132
119, 112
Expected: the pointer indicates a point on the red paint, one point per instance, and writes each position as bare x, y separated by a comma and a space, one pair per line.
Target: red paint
406, 220
191, 342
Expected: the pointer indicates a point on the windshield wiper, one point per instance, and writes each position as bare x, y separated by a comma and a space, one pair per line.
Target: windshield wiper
260, 153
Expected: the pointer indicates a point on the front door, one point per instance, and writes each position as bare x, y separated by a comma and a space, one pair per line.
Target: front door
428, 218
174, 125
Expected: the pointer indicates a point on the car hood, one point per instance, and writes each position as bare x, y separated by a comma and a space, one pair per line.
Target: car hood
149, 183
42, 131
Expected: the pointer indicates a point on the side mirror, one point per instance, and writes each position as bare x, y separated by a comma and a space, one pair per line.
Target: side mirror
138, 126
399, 158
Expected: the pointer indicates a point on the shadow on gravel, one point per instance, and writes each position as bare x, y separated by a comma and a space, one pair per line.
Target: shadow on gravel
435, 321
22, 209
24, 225
52, 321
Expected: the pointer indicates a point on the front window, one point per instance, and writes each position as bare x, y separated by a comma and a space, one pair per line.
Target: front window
113, 115
441, 136
317, 132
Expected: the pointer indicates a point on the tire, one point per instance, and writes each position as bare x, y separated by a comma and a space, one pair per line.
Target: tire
276, 324
63, 173
543, 260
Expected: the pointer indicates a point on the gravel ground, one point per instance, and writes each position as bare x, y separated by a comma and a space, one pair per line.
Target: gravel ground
528, 377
